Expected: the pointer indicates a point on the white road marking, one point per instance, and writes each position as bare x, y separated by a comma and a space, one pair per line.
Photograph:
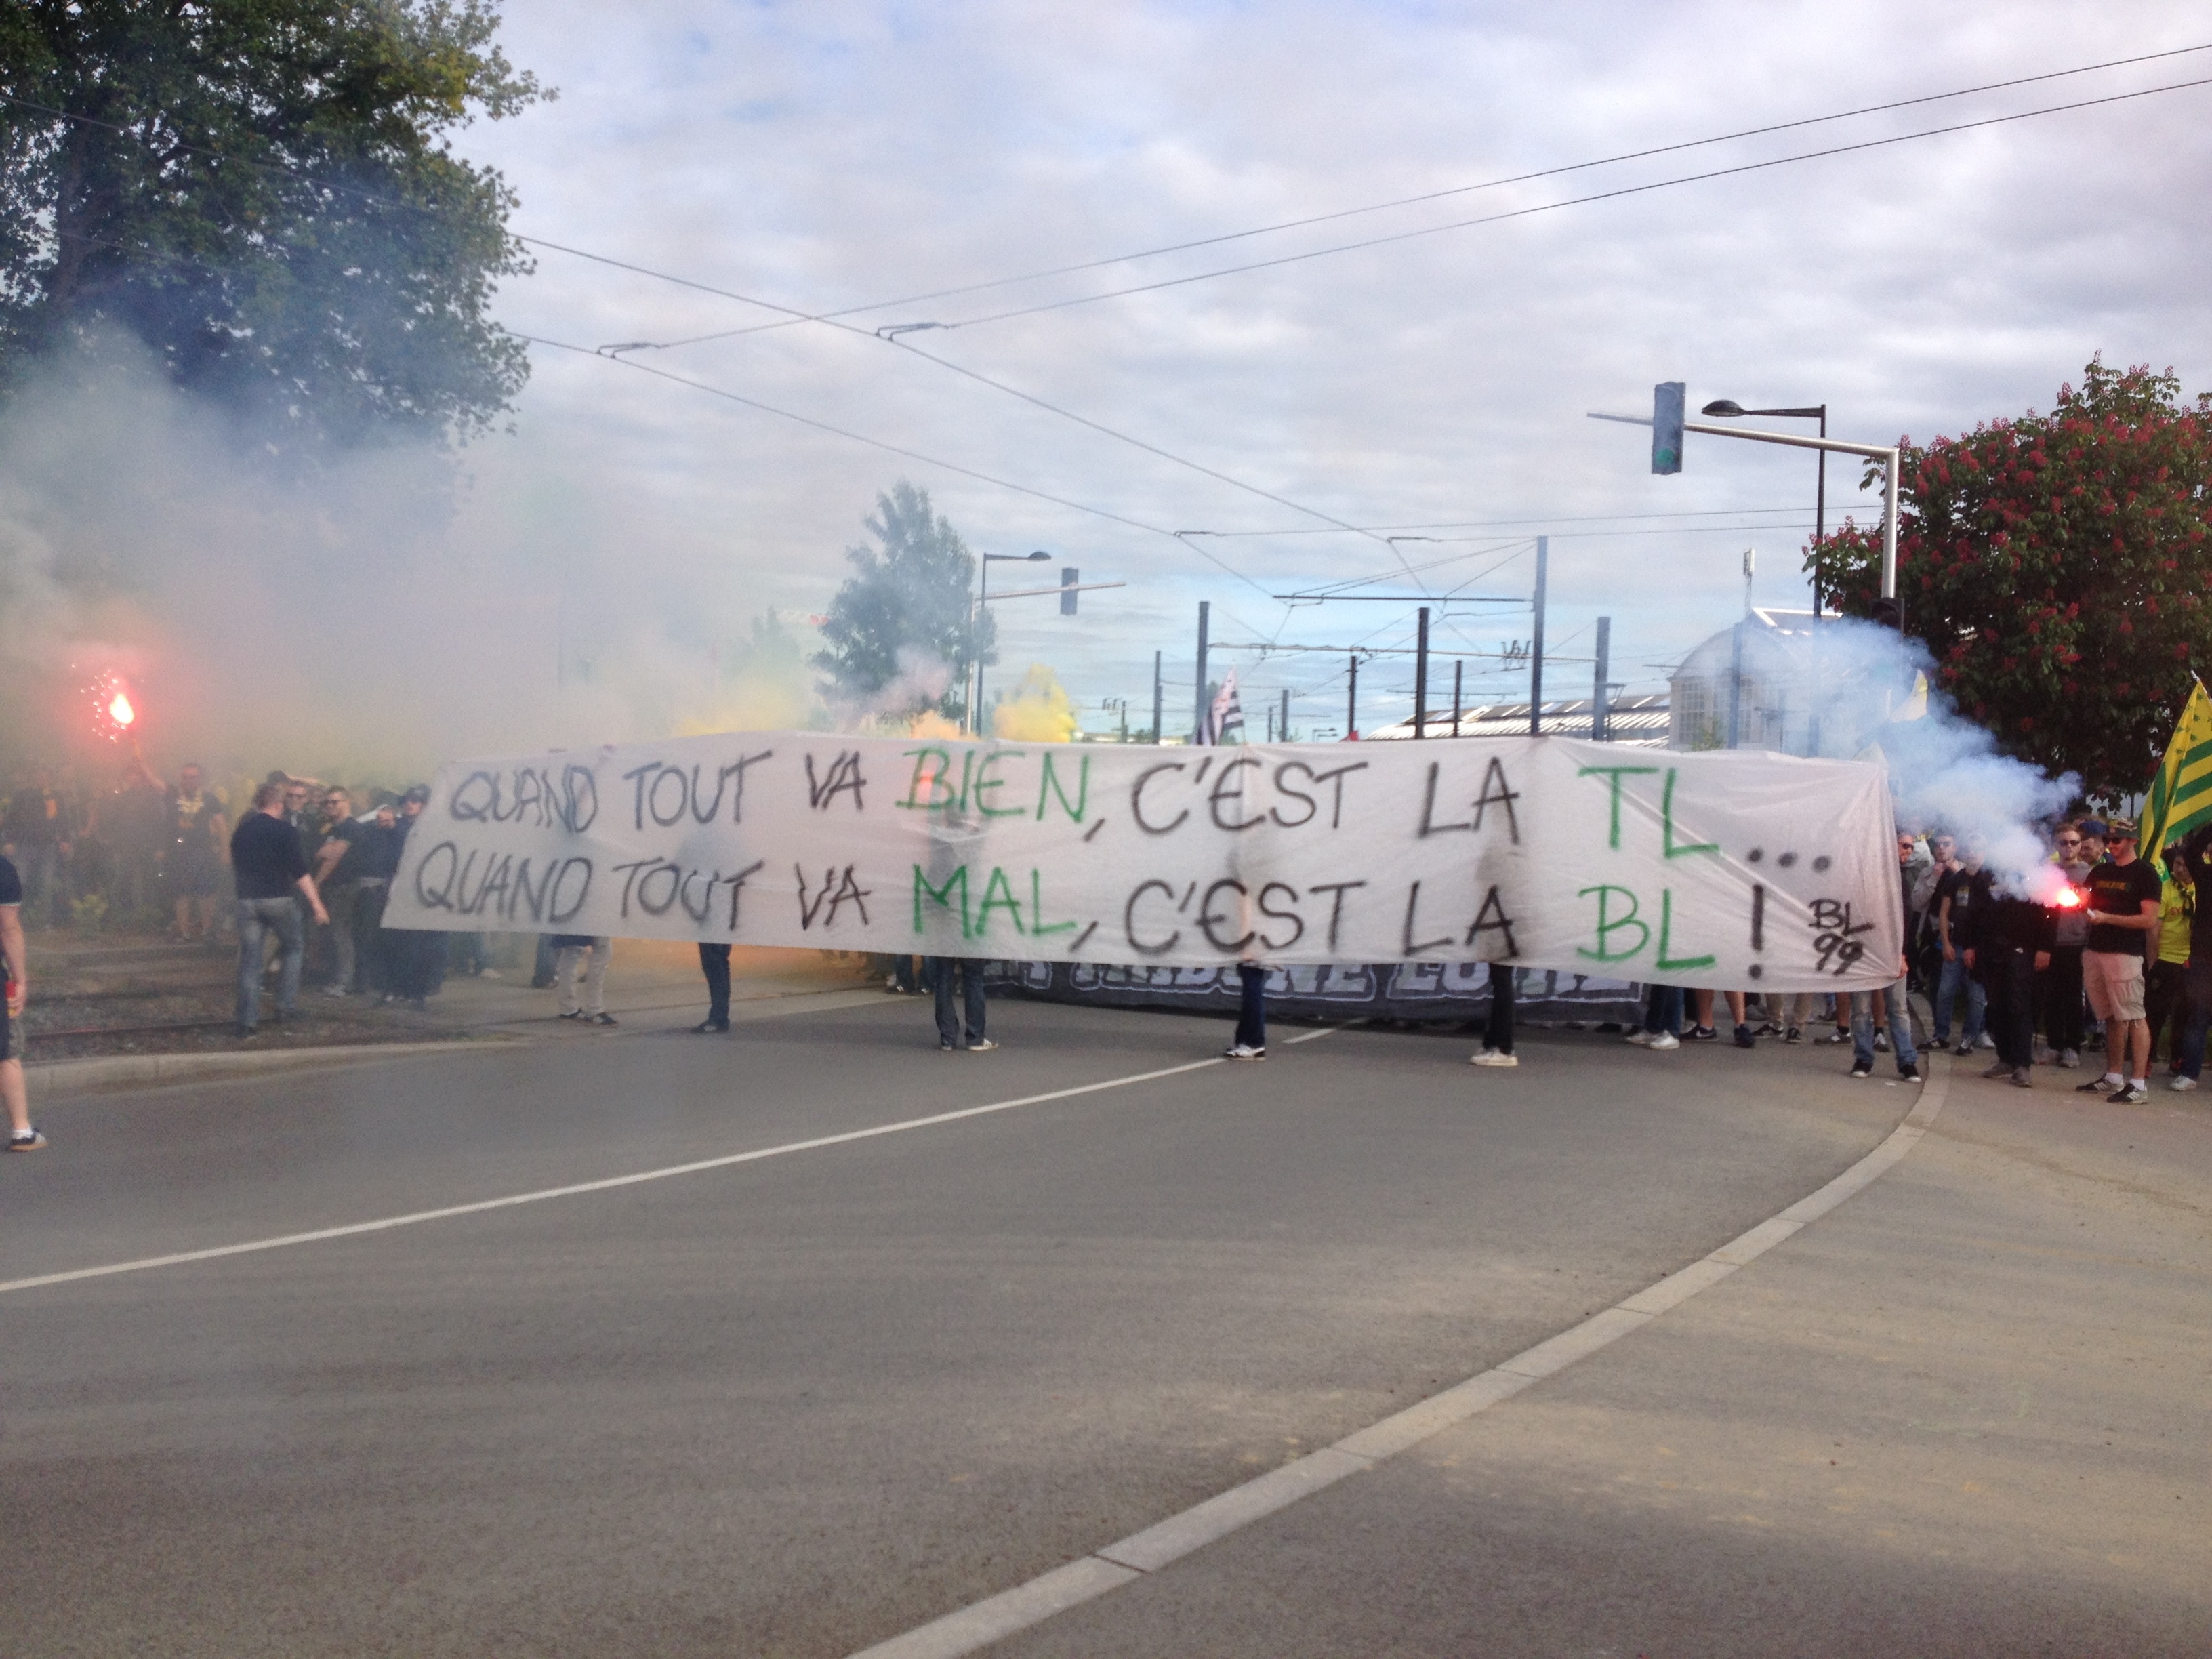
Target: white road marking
1107, 1568
386, 1223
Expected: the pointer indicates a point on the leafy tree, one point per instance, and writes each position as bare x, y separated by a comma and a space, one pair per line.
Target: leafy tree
901, 634
2057, 568
263, 194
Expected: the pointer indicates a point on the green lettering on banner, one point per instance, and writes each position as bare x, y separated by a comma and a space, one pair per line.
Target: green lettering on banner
941, 792
1664, 962
1667, 823
998, 895
1614, 773
1037, 923
1609, 924
967, 771
984, 780
941, 896
1051, 780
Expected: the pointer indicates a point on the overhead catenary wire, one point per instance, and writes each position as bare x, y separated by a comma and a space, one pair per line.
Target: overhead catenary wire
1430, 195
1617, 194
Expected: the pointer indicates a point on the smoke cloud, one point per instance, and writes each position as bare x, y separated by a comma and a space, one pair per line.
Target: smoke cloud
392, 609
1947, 771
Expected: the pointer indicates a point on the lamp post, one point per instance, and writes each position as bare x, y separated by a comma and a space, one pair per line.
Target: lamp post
983, 592
1729, 409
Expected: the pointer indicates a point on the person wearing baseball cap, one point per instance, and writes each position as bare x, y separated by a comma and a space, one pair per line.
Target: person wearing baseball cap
2122, 908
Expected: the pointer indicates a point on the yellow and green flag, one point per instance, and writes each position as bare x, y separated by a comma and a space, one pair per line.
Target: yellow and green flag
2181, 798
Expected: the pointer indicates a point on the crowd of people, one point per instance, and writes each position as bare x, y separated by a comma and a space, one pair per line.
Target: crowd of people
2101, 952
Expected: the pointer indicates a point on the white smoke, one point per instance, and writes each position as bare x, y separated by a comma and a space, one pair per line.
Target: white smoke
1947, 772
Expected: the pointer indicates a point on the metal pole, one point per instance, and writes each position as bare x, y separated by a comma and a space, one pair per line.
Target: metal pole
1198, 719
1282, 725
1735, 689
1351, 700
975, 636
1157, 734
1457, 705
1536, 645
1889, 532
1604, 669
1421, 677
1821, 511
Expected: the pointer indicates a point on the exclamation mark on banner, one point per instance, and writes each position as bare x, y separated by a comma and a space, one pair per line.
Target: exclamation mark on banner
1758, 923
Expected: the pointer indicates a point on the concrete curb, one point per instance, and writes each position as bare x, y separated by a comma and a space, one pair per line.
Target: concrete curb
76, 1077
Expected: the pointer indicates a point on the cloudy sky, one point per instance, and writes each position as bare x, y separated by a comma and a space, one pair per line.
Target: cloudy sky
839, 158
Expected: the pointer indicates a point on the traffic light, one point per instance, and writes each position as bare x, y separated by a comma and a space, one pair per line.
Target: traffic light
1068, 578
1667, 399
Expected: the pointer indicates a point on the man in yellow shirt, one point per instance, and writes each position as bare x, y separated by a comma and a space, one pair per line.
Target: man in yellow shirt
2164, 1003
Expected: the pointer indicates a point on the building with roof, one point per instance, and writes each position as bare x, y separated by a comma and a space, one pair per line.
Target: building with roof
1638, 722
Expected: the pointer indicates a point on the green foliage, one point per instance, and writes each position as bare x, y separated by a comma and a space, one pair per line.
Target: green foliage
2057, 568
262, 193
902, 623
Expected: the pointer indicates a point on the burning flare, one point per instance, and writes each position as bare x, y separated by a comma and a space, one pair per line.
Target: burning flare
119, 709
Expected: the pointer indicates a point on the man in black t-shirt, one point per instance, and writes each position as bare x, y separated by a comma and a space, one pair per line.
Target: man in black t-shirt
22, 1137
2123, 905
270, 868
1956, 895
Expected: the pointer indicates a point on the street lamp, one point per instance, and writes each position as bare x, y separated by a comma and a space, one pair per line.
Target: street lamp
982, 593
1729, 409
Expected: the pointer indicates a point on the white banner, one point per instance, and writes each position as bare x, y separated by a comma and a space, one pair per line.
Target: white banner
1728, 869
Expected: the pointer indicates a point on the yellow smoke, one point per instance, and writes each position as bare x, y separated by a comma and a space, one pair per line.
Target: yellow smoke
931, 723
1038, 712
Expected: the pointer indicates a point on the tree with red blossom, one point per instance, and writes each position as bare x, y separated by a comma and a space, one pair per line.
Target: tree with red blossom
2057, 567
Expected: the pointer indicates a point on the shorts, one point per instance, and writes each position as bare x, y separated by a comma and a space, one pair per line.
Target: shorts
2114, 980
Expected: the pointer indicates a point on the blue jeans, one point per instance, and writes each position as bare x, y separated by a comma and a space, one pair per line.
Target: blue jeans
1663, 1009
1954, 975
2196, 992
256, 919
1251, 1005
941, 970
1899, 1013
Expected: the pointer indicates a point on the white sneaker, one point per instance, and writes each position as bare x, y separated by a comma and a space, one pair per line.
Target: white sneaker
1640, 1038
2181, 1085
1664, 1040
1985, 1041
982, 1046
1243, 1051
1492, 1057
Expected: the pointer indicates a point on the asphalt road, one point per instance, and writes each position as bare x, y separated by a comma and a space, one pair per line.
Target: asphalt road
797, 1404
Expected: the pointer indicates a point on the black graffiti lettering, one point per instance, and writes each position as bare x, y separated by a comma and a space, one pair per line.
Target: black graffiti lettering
1298, 922
669, 774
1282, 787
697, 913
737, 798
495, 893
466, 809
1413, 902
554, 913
438, 899
667, 901
1129, 920
529, 792
1137, 799
844, 775
847, 890
579, 789
1490, 917
1230, 787
525, 895
459, 892
738, 888
629, 881
1207, 916
1336, 907
1336, 776
1429, 825
1502, 795
642, 776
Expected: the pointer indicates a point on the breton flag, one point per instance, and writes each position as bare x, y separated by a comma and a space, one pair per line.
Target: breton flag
1226, 716
2181, 798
